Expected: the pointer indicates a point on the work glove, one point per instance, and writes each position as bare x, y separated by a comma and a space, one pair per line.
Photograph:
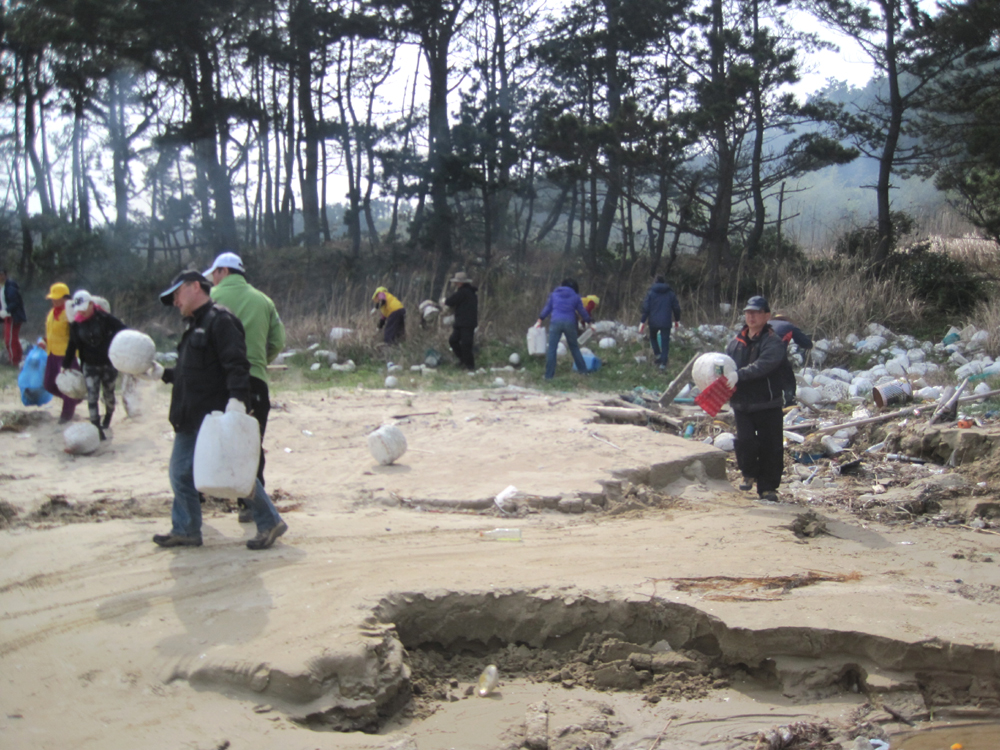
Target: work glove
168, 375
3, 314
538, 323
244, 398
642, 328
732, 378
677, 324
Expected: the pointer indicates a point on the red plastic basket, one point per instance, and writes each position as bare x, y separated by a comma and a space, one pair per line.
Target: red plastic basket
715, 396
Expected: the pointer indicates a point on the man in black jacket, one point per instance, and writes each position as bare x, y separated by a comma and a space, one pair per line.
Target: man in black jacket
465, 305
90, 335
758, 352
212, 367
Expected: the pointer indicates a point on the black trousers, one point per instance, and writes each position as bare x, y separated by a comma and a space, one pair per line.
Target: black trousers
260, 402
461, 341
759, 452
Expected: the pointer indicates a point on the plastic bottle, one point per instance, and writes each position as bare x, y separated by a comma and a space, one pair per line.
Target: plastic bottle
488, 680
502, 535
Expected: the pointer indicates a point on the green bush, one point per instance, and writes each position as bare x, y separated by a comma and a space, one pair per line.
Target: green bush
943, 282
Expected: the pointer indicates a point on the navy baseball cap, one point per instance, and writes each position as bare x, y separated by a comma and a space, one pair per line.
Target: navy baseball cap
757, 303
167, 295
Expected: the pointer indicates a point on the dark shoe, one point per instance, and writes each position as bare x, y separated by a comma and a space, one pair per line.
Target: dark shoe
100, 431
768, 497
170, 540
747, 484
246, 515
265, 539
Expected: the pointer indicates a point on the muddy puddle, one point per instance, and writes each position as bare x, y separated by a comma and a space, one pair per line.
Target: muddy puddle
968, 736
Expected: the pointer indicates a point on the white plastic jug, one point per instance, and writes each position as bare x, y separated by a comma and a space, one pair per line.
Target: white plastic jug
537, 340
226, 453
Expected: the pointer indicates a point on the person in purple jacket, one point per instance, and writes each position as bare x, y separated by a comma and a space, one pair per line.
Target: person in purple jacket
564, 304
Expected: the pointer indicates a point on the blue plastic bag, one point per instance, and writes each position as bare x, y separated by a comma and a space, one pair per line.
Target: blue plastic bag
31, 378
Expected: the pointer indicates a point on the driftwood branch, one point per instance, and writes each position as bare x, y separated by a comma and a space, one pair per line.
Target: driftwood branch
896, 414
948, 405
637, 416
677, 383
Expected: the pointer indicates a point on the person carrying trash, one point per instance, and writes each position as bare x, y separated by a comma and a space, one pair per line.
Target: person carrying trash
265, 337
392, 315
90, 336
212, 367
660, 308
465, 305
590, 303
564, 305
788, 331
56, 342
758, 353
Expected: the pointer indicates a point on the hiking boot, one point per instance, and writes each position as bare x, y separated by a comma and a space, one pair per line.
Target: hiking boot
768, 497
265, 539
245, 515
747, 484
173, 540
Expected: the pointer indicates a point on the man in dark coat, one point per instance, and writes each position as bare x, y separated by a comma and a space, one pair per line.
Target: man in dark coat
13, 315
212, 367
465, 304
660, 308
758, 352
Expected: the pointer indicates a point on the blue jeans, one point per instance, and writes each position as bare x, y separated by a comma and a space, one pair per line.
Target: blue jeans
186, 511
558, 328
655, 336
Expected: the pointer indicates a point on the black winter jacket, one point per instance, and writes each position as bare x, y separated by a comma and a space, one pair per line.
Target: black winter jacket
212, 367
758, 361
15, 305
660, 307
465, 303
91, 339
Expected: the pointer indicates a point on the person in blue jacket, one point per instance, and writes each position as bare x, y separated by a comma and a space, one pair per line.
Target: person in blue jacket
788, 331
564, 304
660, 309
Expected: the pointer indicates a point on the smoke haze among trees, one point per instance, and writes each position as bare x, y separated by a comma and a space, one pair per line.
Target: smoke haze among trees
145, 132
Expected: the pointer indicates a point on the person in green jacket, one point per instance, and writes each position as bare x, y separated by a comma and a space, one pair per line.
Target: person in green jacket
265, 336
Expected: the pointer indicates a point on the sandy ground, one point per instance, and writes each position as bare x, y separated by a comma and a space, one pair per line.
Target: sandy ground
108, 641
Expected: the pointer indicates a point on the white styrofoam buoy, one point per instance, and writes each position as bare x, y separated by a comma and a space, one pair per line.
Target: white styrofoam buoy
514, 359
81, 439
132, 352
387, 444
391, 381
708, 367
607, 343
336, 334
226, 453
72, 383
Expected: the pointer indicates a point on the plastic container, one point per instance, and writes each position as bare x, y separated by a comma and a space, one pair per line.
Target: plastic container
592, 362
502, 535
715, 396
537, 341
488, 681
226, 453
586, 336
387, 444
132, 352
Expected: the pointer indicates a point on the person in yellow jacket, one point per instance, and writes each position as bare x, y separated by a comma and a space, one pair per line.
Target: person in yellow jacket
392, 315
56, 342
